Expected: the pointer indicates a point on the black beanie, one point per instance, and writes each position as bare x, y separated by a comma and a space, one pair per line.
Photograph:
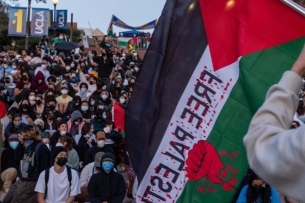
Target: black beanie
56, 151
107, 157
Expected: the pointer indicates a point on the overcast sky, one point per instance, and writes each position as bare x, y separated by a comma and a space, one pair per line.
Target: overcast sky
99, 12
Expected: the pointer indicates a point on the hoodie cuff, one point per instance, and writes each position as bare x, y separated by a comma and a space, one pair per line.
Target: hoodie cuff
292, 81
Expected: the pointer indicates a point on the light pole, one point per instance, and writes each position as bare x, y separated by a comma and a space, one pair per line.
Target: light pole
55, 3
28, 26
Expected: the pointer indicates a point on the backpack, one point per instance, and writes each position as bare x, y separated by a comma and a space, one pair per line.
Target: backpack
46, 179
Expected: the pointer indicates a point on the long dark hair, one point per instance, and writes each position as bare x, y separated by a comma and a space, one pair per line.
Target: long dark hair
86, 128
252, 195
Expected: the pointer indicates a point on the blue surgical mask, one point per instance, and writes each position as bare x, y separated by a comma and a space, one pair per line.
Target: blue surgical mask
107, 166
84, 108
14, 144
28, 143
92, 103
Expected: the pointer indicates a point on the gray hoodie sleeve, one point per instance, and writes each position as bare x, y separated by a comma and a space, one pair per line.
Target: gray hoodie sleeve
275, 152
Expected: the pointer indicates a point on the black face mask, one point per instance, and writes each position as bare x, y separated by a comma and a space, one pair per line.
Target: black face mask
25, 106
52, 107
91, 82
52, 117
61, 161
258, 188
38, 102
103, 54
24, 77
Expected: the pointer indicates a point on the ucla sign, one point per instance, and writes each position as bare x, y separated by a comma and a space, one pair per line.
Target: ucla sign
61, 19
39, 22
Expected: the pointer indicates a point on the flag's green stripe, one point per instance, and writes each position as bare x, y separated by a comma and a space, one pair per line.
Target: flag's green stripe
122, 44
109, 32
258, 71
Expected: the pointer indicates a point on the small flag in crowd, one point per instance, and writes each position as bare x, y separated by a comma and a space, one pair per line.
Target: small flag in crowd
110, 30
205, 74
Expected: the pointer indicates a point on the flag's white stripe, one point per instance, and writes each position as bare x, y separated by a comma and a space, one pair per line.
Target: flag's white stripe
124, 39
228, 75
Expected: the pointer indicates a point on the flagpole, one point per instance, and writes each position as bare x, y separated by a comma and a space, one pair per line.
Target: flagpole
294, 6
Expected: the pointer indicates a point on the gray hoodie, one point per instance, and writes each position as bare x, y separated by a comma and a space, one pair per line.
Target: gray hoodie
275, 152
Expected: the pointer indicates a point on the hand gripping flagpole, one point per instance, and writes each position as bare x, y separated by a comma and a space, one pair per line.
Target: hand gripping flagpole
294, 6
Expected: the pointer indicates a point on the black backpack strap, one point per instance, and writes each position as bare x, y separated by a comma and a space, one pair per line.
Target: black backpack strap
69, 176
46, 180
37, 149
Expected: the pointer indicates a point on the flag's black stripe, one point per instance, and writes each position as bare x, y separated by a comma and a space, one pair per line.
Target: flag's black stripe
177, 46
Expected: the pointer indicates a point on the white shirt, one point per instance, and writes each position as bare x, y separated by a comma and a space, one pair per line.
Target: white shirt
87, 173
58, 186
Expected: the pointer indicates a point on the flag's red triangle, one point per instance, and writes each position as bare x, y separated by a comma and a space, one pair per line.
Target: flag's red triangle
238, 27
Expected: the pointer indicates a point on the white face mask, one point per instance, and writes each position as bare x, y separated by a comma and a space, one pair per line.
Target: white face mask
14, 67
43, 66
87, 136
104, 97
61, 37
136, 69
63, 132
72, 65
73, 84
104, 87
123, 55
59, 145
83, 90
122, 101
76, 122
39, 81
13, 44
31, 98
135, 54
64, 91
68, 68
101, 143
107, 130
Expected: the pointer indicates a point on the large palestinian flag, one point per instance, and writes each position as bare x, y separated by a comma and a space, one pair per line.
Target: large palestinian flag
204, 76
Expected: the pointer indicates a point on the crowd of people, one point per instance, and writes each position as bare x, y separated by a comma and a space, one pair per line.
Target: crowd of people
58, 122
60, 142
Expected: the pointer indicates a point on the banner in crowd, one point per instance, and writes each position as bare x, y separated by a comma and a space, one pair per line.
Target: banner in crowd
119, 117
39, 22
117, 22
61, 19
17, 21
198, 89
50, 21
123, 41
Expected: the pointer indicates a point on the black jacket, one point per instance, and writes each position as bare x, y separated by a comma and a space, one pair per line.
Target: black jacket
8, 159
107, 187
90, 154
41, 161
82, 147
